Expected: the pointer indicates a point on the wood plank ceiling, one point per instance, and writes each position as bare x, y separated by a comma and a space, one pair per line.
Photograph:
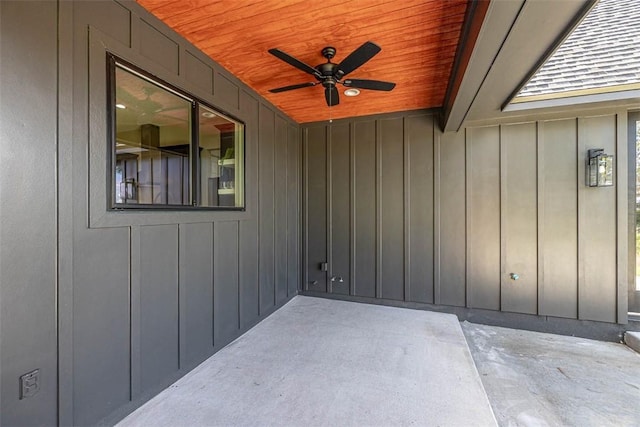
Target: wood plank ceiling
418, 40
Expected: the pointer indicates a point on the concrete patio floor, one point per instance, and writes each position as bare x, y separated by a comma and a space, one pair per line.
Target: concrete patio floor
537, 379
320, 362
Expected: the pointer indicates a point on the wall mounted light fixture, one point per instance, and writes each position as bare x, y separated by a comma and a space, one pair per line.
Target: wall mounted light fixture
599, 168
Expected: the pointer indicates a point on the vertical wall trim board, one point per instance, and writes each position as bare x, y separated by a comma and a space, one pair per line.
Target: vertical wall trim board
182, 344
274, 223
622, 225
538, 200
632, 118
540, 213
65, 247
352, 209
435, 183
258, 208
182, 54
305, 209
287, 197
436, 214
504, 203
213, 82
329, 204
468, 160
241, 314
131, 325
467, 297
299, 218
213, 282
56, 204
239, 275
136, 380
407, 209
501, 227
300, 206
581, 189
297, 141
378, 211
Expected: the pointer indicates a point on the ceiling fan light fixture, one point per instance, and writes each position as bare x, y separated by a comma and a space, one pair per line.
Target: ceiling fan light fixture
351, 92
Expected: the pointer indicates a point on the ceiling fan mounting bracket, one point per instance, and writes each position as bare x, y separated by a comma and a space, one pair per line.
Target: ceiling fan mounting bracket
329, 52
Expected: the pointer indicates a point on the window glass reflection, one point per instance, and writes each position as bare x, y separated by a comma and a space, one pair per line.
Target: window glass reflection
153, 140
221, 160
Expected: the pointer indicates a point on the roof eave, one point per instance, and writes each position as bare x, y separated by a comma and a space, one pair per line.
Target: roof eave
516, 38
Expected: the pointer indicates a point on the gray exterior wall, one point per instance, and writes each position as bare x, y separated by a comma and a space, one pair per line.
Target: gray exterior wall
415, 215
141, 297
28, 210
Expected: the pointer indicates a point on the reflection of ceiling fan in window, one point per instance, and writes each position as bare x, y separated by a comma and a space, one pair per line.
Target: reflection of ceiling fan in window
145, 105
148, 105
157, 107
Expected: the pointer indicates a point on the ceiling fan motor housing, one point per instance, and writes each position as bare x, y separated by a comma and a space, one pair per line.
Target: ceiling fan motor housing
327, 71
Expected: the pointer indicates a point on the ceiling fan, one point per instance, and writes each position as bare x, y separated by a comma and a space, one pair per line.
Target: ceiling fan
329, 74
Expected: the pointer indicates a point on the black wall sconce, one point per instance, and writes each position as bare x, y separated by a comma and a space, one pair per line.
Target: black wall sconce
599, 168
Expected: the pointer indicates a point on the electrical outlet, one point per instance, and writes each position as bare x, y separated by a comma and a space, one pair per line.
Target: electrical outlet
30, 384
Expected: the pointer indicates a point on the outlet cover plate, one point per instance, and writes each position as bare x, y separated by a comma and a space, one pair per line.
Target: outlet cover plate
30, 384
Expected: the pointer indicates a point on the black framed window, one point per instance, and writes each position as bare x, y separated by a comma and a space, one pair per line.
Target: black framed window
168, 149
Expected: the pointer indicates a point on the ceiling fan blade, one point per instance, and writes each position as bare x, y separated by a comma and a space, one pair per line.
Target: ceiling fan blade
294, 62
356, 58
292, 87
331, 95
369, 84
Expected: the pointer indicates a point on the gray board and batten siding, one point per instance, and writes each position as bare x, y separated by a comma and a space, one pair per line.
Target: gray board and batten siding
113, 306
420, 218
139, 298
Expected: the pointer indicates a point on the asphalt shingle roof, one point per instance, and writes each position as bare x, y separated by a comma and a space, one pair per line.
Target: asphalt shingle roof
603, 51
